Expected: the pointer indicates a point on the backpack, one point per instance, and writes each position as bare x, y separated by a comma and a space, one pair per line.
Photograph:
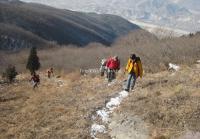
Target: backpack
139, 64
103, 62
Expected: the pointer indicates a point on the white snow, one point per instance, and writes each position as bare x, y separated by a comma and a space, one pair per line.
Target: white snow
123, 94
114, 102
97, 129
104, 113
173, 67
110, 106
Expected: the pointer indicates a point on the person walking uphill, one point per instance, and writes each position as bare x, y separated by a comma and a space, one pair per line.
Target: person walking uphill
35, 79
113, 65
50, 73
134, 70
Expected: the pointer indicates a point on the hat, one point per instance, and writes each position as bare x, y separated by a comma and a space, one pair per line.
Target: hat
133, 56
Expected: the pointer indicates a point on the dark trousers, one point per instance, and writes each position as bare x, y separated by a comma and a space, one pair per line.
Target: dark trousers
130, 81
111, 75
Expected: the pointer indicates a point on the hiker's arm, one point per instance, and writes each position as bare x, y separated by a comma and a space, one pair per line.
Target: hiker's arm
127, 66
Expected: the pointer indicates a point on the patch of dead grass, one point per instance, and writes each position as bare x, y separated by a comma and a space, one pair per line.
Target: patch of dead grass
168, 102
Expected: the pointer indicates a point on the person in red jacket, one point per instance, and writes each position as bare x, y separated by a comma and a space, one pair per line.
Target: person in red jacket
113, 65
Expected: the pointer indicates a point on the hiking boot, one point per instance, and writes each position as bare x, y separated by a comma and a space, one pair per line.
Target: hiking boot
126, 90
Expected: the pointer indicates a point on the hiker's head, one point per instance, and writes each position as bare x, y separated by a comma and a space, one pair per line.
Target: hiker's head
115, 57
133, 56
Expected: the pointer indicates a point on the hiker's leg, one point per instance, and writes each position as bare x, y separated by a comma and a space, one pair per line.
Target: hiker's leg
37, 85
112, 75
109, 75
34, 85
128, 83
101, 71
133, 80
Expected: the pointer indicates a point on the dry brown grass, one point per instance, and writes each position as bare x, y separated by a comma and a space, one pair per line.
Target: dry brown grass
155, 54
62, 108
168, 102
59, 108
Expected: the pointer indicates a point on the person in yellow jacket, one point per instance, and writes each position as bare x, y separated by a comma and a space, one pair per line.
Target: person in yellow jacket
134, 70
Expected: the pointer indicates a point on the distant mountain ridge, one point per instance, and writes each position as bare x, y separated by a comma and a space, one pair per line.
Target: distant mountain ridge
47, 24
180, 14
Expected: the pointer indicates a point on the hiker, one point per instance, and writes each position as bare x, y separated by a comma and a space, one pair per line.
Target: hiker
103, 68
134, 70
50, 72
113, 65
35, 79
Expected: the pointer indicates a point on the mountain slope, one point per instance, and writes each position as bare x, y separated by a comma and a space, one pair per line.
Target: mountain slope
63, 26
15, 38
182, 14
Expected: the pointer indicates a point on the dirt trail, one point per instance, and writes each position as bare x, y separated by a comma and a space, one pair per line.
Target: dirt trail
125, 126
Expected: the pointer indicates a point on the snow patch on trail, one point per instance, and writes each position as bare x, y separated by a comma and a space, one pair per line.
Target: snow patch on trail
97, 129
104, 113
173, 67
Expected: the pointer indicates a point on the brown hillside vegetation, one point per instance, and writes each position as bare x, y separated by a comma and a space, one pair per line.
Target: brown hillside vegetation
168, 104
155, 54
59, 108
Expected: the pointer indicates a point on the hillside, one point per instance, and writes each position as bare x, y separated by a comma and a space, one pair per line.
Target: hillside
164, 105
58, 26
179, 14
15, 38
155, 53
